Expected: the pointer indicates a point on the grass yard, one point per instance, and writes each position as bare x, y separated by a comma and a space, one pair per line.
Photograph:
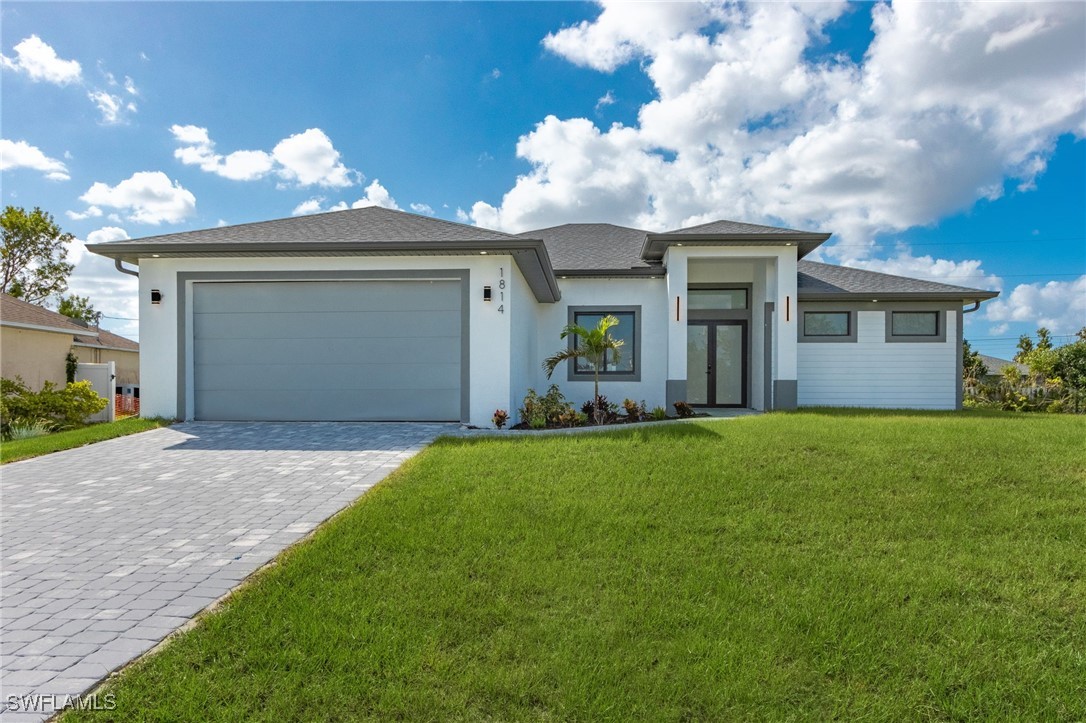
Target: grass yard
18, 449
806, 566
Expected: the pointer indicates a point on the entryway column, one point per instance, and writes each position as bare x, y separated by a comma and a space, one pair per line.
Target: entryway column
786, 318
676, 262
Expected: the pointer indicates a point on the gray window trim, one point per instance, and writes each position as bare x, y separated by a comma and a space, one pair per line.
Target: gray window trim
183, 330
849, 338
573, 375
940, 328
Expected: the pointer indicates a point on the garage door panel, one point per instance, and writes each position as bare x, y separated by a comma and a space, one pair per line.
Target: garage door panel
321, 350
364, 324
351, 405
327, 377
317, 296
331, 351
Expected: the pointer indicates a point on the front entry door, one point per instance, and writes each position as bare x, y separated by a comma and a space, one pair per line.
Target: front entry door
716, 363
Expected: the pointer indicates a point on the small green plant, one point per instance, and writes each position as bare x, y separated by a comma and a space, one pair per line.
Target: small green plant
659, 414
684, 410
71, 366
580, 419
568, 417
539, 422
500, 418
23, 429
548, 407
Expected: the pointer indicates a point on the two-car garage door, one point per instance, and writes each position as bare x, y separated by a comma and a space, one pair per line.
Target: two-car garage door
327, 350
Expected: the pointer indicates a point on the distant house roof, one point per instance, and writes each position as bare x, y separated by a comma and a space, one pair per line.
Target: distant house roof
368, 231
827, 282
107, 340
581, 248
995, 364
22, 314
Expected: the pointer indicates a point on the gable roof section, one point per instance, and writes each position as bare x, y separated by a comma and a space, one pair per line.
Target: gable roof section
825, 282
24, 315
372, 231
585, 249
995, 364
107, 340
731, 233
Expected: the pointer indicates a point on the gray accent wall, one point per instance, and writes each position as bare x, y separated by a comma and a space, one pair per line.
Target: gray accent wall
675, 392
767, 357
785, 394
326, 346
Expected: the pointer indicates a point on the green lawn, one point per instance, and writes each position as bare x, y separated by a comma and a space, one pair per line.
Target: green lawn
807, 566
37, 446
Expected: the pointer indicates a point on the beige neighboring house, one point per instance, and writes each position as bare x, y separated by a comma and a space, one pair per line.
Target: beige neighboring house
34, 344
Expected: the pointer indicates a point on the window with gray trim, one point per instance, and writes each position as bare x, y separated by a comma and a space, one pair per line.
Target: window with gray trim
914, 323
622, 364
827, 323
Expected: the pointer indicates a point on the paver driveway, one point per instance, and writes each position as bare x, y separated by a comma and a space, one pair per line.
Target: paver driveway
109, 548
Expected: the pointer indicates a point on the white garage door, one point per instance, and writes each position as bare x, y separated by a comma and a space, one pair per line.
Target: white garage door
327, 350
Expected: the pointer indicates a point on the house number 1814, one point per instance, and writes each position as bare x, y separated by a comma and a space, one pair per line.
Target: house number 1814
501, 290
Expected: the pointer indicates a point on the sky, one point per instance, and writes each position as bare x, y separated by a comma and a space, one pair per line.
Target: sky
934, 140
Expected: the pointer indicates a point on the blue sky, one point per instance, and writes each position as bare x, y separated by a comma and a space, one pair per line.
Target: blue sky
938, 141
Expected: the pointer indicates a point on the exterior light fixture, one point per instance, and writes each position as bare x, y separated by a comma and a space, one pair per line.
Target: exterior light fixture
154, 256
482, 253
156, 296
487, 294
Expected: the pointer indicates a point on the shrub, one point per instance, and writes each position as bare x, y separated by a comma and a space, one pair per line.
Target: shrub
500, 418
23, 429
71, 366
684, 410
538, 423
548, 407
634, 411
607, 411
568, 417
64, 407
659, 414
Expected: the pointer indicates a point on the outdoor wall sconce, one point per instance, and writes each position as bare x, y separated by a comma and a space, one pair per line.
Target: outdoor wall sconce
156, 296
487, 294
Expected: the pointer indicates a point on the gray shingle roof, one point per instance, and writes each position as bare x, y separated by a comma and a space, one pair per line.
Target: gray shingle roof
361, 225
736, 228
592, 246
825, 280
16, 312
995, 364
108, 340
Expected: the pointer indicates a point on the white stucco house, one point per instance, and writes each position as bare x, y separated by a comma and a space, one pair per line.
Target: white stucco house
373, 314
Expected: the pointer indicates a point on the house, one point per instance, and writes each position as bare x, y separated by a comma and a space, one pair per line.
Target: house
34, 345
374, 314
995, 367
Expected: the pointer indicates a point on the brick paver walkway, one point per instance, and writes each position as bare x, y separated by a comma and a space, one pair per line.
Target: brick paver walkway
109, 548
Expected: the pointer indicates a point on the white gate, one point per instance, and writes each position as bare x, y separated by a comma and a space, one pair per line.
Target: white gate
101, 377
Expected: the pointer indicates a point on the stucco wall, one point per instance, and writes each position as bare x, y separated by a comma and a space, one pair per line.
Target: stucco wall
127, 362
873, 373
489, 340
36, 356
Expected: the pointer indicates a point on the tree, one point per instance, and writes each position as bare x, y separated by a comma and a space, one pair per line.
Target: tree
1025, 346
1044, 338
34, 253
593, 345
78, 307
972, 367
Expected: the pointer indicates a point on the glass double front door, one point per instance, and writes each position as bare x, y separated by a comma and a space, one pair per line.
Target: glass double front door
716, 363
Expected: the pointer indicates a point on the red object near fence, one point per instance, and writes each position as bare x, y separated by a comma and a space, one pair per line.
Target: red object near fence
126, 405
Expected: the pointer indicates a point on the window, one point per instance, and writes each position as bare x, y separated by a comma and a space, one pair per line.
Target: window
626, 362
716, 298
915, 326
827, 323
914, 323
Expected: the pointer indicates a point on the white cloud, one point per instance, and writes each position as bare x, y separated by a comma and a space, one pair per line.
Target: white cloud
310, 159
605, 100
376, 195
130, 86
496, 73
40, 62
1058, 305
305, 159
750, 122
107, 234
958, 273
91, 212
422, 208
112, 293
20, 154
114, 108
148, 197
313, 205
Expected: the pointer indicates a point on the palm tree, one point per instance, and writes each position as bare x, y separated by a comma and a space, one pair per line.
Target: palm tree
593, 345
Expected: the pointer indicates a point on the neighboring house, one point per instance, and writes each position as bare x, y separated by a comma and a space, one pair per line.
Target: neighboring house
373, 314
34, 345
995, 367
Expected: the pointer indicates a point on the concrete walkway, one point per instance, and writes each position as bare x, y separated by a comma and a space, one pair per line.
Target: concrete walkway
109, 548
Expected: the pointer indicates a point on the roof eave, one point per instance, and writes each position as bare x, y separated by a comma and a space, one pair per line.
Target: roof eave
42, 327
656, 244
643, 273
530, 255
966, 295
